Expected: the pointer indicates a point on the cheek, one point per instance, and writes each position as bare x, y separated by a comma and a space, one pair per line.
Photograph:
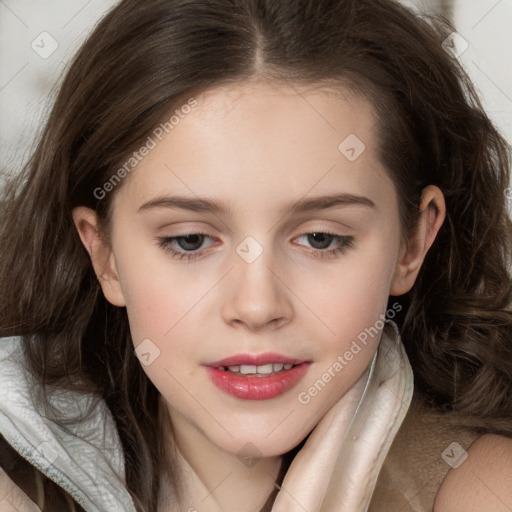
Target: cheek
158, 291
351, 305
163, 314
351, 297
150, 304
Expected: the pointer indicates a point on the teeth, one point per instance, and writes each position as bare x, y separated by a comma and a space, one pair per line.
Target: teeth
246, 369
264, 369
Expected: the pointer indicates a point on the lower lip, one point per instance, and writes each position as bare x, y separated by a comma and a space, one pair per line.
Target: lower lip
254, 387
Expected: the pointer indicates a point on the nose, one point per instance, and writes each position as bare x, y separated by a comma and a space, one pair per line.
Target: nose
257, 296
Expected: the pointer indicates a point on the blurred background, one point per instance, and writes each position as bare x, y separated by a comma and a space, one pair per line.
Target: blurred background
38, 38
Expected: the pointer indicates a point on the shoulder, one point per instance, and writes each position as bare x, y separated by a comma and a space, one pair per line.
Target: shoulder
483, 482
12, 498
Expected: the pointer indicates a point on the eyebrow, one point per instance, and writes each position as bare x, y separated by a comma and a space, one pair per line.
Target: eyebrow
205, 205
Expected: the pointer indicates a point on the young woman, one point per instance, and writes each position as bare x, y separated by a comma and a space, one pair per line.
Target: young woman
233, 209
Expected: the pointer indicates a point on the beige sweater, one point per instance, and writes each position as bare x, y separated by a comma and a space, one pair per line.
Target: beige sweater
416, 463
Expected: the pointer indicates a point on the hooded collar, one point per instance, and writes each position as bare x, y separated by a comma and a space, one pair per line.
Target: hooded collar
84, 456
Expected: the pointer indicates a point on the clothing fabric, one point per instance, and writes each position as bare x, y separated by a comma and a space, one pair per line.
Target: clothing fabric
364, 456
426, 447
84, 457
337, 468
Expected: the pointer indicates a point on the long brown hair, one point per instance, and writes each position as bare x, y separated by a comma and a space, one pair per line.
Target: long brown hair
146, 58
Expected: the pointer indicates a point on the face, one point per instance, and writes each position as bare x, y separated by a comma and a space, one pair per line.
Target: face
263, 273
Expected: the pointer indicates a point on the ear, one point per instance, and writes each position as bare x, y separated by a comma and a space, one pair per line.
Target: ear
102, 257
433, 212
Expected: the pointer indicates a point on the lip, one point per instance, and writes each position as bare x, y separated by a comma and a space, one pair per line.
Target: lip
254, 386
256, 360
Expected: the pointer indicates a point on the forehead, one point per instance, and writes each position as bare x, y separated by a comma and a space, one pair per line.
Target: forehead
301, 111
260, 140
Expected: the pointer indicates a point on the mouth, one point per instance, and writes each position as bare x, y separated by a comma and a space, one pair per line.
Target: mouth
257, 377
257, 360
258, 371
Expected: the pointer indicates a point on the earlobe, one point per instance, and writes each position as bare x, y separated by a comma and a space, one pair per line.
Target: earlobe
433, 212
102, 257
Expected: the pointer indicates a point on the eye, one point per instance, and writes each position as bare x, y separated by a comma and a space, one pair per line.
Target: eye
321, 240
189, 244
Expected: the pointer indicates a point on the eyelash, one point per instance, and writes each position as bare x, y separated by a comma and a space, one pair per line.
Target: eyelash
344, 243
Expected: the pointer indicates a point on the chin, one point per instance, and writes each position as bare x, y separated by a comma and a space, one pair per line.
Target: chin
257, 445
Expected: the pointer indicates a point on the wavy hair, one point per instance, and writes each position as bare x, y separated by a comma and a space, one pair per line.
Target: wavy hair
139, 64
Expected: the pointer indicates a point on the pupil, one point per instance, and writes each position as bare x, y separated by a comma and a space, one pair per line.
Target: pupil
183, 241
325, 240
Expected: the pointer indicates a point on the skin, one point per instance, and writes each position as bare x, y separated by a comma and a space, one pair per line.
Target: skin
483, 482
257, 147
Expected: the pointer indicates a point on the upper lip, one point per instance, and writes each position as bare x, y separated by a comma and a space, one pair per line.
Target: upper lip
256, 360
